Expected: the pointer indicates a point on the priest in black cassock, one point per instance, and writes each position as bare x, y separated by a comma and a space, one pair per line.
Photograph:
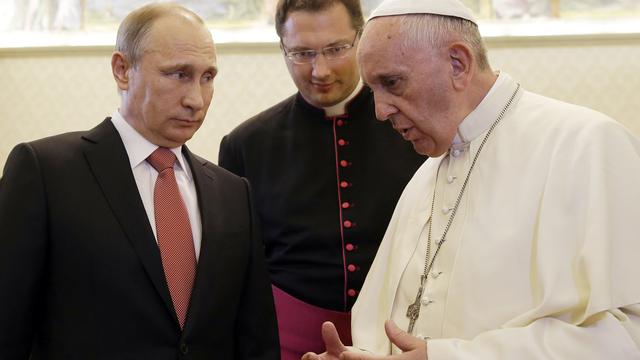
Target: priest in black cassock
325, 174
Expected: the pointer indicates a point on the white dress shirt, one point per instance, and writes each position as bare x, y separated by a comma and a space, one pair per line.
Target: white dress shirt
138, 149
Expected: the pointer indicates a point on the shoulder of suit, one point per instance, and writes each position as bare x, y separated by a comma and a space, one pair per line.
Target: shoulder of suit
217, 170
55, 144
101, 130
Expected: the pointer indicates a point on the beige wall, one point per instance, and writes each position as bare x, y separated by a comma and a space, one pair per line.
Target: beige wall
49, 91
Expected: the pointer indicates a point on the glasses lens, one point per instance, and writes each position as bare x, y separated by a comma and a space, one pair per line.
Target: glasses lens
336, 52
302, 57
331, 52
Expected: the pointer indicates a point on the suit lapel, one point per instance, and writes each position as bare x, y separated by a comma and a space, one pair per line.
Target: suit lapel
204, 180
109, 162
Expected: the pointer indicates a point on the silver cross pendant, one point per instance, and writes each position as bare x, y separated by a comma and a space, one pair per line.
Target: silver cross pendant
413, 311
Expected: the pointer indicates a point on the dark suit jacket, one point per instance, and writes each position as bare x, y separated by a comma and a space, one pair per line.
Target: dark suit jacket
80, 271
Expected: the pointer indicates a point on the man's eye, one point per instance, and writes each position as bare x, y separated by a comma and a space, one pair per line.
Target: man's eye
179, 75
304, 55
389, 82
332, 51
335, 50
208, 77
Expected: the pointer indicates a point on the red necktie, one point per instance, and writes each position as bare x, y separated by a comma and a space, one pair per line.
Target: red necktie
174, 232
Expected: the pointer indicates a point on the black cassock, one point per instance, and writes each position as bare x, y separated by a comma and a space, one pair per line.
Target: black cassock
324, 188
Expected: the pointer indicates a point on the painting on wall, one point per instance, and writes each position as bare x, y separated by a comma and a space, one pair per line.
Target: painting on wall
104, 15
56, 15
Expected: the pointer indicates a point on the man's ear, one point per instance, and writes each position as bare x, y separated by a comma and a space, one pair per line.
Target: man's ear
120, 68
461, 58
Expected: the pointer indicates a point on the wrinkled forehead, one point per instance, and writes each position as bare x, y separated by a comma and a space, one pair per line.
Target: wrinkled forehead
180, 32
380, 37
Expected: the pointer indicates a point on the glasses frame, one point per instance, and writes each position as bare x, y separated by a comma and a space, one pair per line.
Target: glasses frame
347, 47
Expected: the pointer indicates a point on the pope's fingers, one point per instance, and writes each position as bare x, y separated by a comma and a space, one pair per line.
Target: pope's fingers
357, 356
401, 338
331, 339
310, 356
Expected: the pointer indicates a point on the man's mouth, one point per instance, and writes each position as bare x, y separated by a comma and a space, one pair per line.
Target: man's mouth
185, 120
323, 86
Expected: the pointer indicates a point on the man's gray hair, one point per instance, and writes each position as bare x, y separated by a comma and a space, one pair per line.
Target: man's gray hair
438, 30
136, 25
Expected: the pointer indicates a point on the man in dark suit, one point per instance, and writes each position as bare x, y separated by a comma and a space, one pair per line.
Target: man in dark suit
104, 253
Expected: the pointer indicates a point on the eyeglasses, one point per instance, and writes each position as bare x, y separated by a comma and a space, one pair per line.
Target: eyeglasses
329, 52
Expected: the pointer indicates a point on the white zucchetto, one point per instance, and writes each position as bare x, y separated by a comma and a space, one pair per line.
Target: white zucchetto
438, 7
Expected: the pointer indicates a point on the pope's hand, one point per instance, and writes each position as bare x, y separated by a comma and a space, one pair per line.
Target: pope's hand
332, 344
413, 348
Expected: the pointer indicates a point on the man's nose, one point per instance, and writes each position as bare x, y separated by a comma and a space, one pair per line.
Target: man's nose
194, 98
384, 110
320, 66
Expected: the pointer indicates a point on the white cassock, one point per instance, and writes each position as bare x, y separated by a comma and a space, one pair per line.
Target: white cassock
543, 257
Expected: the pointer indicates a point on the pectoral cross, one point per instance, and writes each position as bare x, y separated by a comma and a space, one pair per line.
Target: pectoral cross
413, 311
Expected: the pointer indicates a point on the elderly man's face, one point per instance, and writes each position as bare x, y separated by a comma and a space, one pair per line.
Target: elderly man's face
169, 91
323, 82
412, 87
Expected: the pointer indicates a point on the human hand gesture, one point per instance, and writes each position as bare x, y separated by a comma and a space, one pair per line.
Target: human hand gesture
412, 347
332, 344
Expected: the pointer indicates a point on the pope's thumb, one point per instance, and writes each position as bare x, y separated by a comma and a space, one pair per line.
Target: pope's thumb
400, 338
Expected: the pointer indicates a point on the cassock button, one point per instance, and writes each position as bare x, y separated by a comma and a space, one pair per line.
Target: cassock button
347, 224
351, 268
349, 247
352, 292
342, 142
340, 122
426, 301
344, 184
344, 163
346, 205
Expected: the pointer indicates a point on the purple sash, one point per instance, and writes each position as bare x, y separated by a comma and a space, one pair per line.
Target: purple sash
300, 325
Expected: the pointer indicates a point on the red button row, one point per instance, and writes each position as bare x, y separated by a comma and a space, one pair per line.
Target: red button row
352, 292
345, 205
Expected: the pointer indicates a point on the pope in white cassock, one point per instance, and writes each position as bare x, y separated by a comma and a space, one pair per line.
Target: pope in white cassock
520, 237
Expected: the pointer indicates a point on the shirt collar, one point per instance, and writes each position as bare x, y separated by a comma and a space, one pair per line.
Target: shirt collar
486, 113
341, 107
138, 147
